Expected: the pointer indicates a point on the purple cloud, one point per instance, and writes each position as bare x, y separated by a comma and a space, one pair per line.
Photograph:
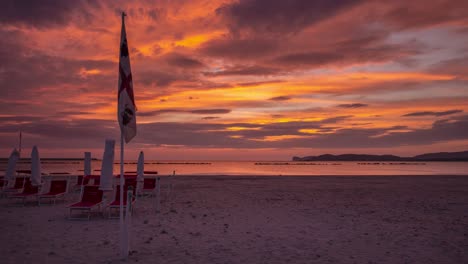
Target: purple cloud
431, 113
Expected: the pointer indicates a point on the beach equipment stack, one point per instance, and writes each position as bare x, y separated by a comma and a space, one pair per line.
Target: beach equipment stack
87, 163
35, 167
107, 166
10, 173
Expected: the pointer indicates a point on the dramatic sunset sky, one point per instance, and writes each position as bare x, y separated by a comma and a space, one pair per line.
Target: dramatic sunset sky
258, 79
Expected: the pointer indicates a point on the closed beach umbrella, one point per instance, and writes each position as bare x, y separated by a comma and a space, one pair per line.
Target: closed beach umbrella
35, 167
107, 167
87, 163
141, 167
11, 168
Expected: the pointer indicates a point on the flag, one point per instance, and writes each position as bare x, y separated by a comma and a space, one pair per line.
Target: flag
126, 109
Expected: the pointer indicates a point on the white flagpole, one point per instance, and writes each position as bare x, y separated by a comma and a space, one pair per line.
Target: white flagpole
123, 241
127, 122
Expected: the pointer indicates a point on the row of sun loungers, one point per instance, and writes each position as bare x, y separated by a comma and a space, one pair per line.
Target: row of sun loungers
91, 196
58, 188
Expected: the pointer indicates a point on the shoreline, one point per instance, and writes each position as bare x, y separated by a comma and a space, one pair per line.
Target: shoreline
66, 176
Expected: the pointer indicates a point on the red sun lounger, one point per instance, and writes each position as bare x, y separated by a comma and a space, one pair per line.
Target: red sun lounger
149, 186
115, 205
28, 191
58, 188
18, 185
91, 198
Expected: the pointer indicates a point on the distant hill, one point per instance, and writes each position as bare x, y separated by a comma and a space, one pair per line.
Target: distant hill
441, 156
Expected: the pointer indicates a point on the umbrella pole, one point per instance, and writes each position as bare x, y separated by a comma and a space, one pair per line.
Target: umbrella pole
20, 139
19, 157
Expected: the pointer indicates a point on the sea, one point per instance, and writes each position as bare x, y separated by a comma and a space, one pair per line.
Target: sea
258, 168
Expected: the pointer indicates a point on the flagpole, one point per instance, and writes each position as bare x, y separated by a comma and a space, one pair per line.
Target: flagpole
123, 240
122, 231
127, 120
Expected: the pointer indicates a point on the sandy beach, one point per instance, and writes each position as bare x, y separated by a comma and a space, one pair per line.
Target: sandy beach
228, 219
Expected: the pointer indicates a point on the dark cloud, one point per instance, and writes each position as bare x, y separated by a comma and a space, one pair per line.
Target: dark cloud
159, 112
202, 84
20, 119
280, 98
277, 116
414, 14
44, 13
184, 76
68, 113
259, 83
343, 55
431, 113
355, 105
187, 134
279, 16
196, 111
27, 71
210, 117
152, 13
59, 134
457, 67
308, 58
179, 60
267, 54
361, 124
336, 119
161, 78
211, 111
244, 70
235, 48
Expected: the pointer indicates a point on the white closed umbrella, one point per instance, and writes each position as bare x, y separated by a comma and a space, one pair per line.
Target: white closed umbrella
141, 167
87, 163
35, 167
11, 168
107, 167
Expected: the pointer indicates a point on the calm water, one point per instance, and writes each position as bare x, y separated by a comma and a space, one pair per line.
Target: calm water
268, 168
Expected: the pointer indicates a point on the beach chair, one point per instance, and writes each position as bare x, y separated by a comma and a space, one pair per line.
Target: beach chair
79, 182
96, 179
149, 186
91, 198
17, 186
115, 205
28, 191
131, 180
58, 189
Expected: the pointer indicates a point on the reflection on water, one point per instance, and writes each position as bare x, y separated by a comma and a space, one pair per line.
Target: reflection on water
267, 168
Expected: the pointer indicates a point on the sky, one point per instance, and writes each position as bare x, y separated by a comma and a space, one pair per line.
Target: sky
237, 80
